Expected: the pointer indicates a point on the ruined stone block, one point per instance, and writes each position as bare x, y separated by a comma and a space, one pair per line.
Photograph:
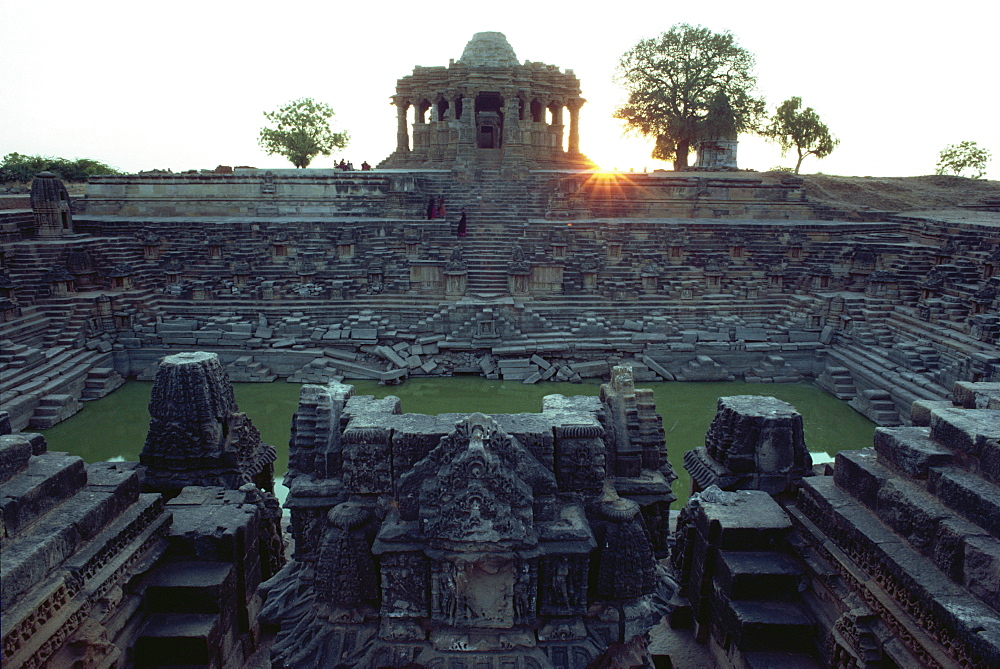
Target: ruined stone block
970, 395
921, 410
859, 472
909, 450
981, 568
966, 494
965, 429
911, 513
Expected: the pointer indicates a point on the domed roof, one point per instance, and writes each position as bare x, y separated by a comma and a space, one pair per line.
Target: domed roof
489, 50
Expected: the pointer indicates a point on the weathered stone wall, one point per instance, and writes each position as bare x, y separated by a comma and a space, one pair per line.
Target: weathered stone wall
900, 305
247, 192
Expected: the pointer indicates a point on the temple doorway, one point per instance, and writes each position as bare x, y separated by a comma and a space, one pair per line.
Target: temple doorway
489, 120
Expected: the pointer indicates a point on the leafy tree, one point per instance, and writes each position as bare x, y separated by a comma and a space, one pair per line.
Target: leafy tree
19, 167
302, 133
956, 158
801, 130
673, 81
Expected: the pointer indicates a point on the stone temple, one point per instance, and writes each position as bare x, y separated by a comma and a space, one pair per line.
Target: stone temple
507, 540
488, 110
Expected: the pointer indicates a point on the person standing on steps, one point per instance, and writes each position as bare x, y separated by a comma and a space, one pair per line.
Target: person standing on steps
463, 224
441, 210
430, 209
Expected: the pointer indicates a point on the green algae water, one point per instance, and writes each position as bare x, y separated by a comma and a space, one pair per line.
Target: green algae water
114, 428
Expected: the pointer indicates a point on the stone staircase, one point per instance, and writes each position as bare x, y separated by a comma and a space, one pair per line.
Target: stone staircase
741, 582
878, 406
100, 382
837, 381
185, 603
38, 385
759, 593
247, 370
72, 534
913, 523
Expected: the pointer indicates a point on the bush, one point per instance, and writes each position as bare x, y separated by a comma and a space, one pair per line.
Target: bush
18, 167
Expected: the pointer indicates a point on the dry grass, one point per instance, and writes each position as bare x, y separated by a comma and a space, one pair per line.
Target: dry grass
898, 193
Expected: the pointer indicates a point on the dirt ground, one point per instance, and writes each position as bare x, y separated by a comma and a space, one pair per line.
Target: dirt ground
899, 193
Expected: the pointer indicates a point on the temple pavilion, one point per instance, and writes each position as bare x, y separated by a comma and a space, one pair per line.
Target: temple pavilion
488, 111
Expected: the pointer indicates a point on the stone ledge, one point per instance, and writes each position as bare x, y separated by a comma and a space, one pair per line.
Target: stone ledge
910, 450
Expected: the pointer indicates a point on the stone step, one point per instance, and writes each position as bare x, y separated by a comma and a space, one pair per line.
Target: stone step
61, 366
49, 479
778, 660
892, 564
769, 625
55, 532
101, 381
911, 534
191, 587
111, 547
759, 575
192, 639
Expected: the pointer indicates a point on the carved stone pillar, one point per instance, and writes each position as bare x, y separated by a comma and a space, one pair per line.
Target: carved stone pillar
511, 121
513, 156
574, 124
467, 127
402, 133
556, 128
465, 151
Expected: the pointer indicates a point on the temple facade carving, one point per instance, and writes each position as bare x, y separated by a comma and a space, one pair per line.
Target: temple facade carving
496, 536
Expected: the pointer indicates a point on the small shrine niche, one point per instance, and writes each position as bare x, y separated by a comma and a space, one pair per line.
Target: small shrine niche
412, 241
455, 274
943, 255
199, 290
173, 271
81, 265
518, 272
376, 276
345, 247
776, 278
280, 248
737, 248
307, 271
589, 267
151, 246
822, 278
60, 281
650, 277
215, 246
50, 205
121, 276
241, 273
713, 276
486, 325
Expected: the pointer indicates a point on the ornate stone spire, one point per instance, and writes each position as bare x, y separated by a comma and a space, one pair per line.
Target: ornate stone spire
197, 434
489, 49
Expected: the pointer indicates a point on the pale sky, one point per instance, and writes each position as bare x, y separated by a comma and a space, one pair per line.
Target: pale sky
182, 85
